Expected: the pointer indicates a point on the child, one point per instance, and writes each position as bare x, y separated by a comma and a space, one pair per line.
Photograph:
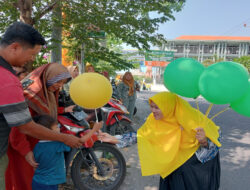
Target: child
50, 156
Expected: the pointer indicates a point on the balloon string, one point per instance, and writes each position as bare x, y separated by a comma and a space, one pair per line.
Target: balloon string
206, 114
227, 108
198, 108
197, 104
96, 115
209, 109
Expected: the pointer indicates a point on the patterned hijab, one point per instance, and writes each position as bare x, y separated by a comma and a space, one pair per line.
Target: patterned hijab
164, 145
130, 83
37, 95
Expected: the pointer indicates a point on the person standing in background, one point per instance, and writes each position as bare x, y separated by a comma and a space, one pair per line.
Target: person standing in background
127, 92
89, 68
74, 72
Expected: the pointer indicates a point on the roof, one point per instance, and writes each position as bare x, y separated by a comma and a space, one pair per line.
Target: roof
213, 38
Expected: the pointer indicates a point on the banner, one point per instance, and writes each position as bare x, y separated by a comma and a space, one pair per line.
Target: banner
157, 58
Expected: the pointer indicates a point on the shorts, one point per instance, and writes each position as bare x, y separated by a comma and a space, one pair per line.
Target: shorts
38, 186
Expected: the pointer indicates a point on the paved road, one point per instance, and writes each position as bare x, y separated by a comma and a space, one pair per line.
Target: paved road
235, 151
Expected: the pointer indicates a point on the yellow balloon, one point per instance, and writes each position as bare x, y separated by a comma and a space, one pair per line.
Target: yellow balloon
90, 90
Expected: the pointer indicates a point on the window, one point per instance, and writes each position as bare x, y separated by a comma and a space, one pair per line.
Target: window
208, 49
179, 48
232, 49
193, 49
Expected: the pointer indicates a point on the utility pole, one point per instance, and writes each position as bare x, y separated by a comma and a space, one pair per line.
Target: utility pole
82, 65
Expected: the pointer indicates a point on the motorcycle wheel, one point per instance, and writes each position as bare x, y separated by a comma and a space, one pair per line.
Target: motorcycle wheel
84, 171
120, 128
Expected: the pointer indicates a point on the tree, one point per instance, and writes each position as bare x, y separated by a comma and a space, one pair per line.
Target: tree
36, 13
124, 20
207, 62
244, 60
130, 21
56, 54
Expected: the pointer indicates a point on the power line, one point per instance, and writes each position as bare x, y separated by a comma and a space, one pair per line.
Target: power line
235, 28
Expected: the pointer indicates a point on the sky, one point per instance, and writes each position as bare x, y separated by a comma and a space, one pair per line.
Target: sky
210, 17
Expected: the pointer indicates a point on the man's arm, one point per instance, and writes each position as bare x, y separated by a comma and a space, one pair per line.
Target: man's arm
35, 130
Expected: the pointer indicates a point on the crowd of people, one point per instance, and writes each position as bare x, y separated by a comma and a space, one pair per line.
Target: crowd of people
176, 141
18, 104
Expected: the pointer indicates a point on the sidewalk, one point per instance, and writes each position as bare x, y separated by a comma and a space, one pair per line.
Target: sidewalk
158, 88
161, 88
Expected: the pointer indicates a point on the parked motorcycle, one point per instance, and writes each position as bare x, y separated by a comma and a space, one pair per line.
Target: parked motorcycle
114, 117
113, 114
96, 165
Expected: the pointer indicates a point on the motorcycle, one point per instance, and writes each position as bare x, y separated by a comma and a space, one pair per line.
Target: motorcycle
114, 117
96, 165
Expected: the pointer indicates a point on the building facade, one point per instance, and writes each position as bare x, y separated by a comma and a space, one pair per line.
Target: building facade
209, 47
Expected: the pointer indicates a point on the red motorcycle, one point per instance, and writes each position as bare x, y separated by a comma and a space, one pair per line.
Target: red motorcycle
96, 165
114, 117
113, 114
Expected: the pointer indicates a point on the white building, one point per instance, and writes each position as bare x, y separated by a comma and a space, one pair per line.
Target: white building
208, 47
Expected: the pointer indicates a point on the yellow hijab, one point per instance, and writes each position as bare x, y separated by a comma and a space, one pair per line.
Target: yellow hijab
164, 145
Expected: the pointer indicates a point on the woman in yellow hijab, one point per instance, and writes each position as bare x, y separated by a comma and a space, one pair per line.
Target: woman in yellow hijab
179, 143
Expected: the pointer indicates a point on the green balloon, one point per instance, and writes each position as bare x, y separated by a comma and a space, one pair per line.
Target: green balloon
242, 106
182, 75
224, 82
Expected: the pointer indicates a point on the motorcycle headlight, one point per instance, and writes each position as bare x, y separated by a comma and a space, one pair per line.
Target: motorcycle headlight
73, 129
124, 109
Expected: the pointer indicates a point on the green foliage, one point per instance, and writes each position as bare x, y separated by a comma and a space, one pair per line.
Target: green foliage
244, 60
207, 62
136, 65
130, 22
212, 60
141, 78
8, 14
42, 57
105, 66
123, 21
